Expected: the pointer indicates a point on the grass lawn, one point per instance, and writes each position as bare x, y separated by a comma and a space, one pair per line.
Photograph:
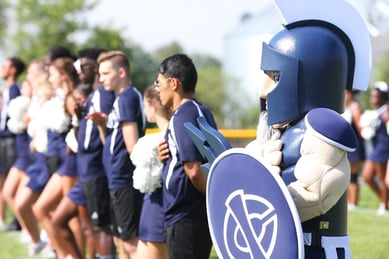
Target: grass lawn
369, 233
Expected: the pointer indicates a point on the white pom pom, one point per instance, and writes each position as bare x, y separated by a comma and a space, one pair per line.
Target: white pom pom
147, 175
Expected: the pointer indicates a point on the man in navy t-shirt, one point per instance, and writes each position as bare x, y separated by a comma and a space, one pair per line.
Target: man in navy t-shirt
184, 183
10, 72
120, 131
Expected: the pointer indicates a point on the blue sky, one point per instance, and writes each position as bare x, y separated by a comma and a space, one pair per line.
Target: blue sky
197, 25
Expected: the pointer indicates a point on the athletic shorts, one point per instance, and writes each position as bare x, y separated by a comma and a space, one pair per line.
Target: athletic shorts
52, 163
7, 154
38, 172
69, 165
97, 201
189, 237
76, 195
126, 206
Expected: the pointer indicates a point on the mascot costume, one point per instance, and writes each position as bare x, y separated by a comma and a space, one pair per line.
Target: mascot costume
284, 195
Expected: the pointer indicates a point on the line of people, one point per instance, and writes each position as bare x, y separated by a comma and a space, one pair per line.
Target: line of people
77, 170
371, 158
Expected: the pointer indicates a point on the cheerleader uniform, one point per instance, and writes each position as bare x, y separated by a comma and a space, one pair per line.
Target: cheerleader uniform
380, 152
359, 154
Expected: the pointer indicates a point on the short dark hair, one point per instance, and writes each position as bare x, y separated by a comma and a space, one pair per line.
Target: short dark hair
92, 53
181, 67
18, 64
84, 89
59, 51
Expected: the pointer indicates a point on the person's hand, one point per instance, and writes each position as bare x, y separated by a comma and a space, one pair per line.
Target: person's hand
163, 151
98, 118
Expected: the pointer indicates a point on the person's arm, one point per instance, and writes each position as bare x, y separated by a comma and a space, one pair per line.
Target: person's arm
196, 175
385, 120
100, 119
130, 135
356, 115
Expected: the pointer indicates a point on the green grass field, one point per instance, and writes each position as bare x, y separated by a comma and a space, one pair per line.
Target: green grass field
369, 233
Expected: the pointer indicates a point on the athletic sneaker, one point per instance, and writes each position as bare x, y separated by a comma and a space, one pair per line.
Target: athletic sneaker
25, 237
36, 248
381, 210
48, 253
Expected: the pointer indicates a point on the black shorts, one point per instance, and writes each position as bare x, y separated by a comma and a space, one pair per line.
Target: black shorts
127, 206
7, 154
98, 201
189, 237
53, 163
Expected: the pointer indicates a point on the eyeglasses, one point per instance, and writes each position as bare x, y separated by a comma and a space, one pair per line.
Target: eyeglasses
86, 66
157, 84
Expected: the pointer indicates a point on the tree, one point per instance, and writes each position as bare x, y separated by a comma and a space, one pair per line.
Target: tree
43, 24
209, 88
3, 20
144, 66
167, 51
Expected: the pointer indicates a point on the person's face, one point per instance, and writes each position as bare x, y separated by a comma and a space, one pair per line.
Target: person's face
26, 89
109, 76
6, 69
55, 77
88, 70
32, 72
163, 85
375, 98
79, 98
269, 84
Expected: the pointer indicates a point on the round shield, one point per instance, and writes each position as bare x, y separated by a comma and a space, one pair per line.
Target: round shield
250, 211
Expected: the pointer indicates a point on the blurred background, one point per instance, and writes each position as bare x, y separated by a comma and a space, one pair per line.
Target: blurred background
224, 38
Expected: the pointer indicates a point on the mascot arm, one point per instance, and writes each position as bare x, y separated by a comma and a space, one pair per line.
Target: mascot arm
318, 187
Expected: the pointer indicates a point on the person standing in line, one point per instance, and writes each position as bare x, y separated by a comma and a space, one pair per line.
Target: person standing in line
184, 182
37, 172
89, 198
17, 124
11, 69
375, 164
148, 178
64, 78
353, 112
63, 239
119, 131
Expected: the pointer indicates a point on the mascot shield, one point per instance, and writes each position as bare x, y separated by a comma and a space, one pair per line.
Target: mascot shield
250, 211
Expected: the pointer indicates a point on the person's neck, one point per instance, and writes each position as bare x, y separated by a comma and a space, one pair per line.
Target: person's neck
180, 101
162, 123
96, 83
123, 85
10, 81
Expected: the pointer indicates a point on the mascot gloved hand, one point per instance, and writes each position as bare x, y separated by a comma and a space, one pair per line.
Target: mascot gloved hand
323, 171
267, 145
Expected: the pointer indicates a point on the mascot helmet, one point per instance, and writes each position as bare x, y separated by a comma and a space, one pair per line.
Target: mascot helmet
314, 60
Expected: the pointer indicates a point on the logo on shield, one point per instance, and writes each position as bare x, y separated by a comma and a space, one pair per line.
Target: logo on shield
250, 211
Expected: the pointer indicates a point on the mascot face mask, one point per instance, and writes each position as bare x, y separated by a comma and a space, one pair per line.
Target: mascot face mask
316, 57
313, 66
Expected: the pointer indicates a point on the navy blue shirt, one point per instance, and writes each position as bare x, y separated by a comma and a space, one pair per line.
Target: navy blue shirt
180, 197
90, 148
9, 93
128, 107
